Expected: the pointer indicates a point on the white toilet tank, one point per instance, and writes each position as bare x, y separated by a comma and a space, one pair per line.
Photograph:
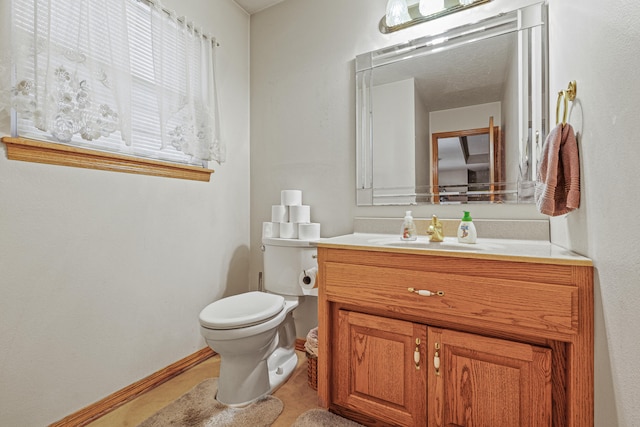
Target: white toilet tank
284, 260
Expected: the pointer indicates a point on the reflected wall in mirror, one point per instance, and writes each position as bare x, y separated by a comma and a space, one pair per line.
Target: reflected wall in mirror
493, 71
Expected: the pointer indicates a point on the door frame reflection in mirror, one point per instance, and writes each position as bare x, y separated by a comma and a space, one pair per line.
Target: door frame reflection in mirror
495, 160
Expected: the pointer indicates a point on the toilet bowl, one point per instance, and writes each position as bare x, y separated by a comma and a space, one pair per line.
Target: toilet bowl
250, 366
254, 332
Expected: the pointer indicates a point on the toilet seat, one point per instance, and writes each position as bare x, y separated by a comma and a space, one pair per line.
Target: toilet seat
242, 310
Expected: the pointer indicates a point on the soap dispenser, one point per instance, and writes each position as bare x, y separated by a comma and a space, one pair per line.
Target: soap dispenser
408, 231
466, 229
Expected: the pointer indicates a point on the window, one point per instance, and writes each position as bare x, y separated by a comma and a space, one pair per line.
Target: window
124, 76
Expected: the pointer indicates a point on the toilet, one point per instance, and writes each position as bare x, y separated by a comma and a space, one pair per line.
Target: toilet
254, 332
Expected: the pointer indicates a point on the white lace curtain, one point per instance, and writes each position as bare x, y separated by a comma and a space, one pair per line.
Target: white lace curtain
123, 75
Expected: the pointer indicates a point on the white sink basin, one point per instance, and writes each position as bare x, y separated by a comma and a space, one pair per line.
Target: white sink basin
442, 246
449, 244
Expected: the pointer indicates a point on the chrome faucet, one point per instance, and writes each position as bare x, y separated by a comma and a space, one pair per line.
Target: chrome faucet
434, 231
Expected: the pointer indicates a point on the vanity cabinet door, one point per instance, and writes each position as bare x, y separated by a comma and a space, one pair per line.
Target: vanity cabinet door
379, 368
479, 381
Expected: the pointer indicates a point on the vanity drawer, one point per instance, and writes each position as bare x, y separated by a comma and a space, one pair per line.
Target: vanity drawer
510, 305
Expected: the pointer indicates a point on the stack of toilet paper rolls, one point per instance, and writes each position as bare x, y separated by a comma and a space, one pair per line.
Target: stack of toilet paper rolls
291, 219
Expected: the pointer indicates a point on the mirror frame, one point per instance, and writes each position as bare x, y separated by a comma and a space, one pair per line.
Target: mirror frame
529, 23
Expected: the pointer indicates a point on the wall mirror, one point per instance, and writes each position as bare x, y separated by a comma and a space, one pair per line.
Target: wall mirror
455, 118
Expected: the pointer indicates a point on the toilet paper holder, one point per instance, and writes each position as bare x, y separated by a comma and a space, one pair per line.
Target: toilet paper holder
306, 279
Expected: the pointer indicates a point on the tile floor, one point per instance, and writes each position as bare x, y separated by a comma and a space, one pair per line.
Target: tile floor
296, 395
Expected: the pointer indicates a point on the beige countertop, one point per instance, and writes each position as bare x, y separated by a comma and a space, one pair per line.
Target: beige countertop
534, 251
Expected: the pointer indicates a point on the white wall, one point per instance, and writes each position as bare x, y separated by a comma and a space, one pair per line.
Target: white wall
394, 137
303, 136
470, 117
423, 144
598, 47
103, 274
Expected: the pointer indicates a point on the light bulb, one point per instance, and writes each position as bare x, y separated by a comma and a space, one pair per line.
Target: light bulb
397, 12
465, 2
429, 7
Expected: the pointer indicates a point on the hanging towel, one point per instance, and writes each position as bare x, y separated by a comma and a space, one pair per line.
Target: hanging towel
558, 180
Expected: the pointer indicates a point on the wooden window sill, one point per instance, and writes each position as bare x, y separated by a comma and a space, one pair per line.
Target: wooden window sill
29, 150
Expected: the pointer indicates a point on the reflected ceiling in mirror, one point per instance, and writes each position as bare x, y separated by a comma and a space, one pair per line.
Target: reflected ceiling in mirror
456, 81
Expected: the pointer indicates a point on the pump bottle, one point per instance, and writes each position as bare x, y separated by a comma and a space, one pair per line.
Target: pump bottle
467, 230
408, 231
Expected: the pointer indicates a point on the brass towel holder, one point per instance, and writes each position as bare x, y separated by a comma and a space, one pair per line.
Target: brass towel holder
567, 95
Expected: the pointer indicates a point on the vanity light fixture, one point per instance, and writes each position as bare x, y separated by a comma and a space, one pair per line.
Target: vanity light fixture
397, 12
399, 15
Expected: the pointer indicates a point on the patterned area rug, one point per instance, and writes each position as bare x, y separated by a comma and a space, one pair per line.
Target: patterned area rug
322, 418
199, 408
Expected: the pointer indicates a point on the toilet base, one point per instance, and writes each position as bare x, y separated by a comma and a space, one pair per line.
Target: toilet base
243, 379
282, 363
264, 379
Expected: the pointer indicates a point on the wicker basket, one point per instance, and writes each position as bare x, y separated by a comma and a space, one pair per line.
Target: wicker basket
312, 371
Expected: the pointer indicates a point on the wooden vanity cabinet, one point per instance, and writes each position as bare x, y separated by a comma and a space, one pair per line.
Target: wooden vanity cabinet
375, 369
487, 382
507, 343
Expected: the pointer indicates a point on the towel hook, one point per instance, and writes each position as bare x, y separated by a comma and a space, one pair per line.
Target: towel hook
567, 95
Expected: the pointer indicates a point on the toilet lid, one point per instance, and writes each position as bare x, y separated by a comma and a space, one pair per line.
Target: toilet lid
241, 310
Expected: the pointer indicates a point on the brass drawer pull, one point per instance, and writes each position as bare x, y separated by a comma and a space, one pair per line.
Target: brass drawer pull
426, 293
